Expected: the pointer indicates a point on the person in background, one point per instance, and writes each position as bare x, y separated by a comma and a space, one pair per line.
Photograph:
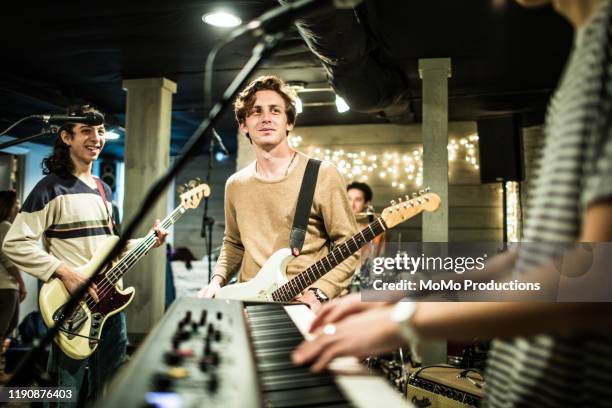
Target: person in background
12, 288
360, 197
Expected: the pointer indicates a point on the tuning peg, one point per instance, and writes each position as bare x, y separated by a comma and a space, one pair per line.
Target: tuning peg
393, 202
180, 189
421, 192
427, 189
399, 199
192, 183
414, 195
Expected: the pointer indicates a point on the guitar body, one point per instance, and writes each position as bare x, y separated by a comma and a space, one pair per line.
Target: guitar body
80, 333
86, 322
271, 283
271, 276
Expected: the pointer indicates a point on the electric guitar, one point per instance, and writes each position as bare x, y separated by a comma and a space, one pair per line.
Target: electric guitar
80, 334
271, 283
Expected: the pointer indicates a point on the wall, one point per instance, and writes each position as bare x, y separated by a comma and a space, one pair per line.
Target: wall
474, 209
187, 230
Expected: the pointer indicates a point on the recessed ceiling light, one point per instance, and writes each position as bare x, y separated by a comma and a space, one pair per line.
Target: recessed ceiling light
341, 105
221, 19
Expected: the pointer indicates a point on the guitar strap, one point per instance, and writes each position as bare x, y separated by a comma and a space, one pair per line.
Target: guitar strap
304, 203
110, 216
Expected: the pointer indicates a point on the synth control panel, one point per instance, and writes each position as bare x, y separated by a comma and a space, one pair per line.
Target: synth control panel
198, 355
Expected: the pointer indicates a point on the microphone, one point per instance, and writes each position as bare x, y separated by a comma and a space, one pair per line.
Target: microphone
277, 19
91, 118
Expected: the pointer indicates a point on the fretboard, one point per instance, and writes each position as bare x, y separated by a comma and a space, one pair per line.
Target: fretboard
142, 248
299, 283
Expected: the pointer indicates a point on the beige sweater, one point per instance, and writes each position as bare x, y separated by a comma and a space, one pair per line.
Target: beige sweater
259, 215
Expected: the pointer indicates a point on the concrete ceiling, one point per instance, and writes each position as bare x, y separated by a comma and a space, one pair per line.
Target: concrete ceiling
504, 58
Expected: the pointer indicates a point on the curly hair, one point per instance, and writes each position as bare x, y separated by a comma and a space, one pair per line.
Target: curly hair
8, 199
59, 162
246, 99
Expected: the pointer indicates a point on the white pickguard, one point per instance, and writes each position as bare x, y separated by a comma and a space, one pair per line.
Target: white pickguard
272, 275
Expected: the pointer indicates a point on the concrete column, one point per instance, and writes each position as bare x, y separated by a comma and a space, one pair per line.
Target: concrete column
434, 73
147, 155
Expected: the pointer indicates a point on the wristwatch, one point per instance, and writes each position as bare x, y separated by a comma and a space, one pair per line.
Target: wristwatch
319, 294
402, 314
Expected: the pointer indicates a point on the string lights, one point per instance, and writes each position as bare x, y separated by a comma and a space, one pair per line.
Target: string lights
513, 211
398, 169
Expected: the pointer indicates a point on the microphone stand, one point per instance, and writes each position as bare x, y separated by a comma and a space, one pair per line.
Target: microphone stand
208, 222
264, 48
46, 131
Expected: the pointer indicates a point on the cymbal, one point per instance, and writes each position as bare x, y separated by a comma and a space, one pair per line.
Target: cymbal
365, 216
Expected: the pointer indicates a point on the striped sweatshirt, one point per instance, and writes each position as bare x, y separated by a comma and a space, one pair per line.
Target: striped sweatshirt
70, 219
574, 171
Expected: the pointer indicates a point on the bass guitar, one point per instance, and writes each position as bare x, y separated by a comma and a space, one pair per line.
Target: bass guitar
80, 334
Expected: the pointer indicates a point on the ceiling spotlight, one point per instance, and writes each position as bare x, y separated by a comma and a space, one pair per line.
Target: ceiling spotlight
221, 19
111, 135
299, 107
341, 105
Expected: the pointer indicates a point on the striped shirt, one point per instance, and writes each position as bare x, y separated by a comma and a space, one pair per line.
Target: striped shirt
70, 218
575, 170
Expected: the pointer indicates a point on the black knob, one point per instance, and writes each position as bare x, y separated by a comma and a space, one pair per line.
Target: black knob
218, 335
213, 358
207, 346
203, 365
219, 315
183, 334
162, 382
203, 318
173, 358
187, 317
194, 326
211, 329
213, 383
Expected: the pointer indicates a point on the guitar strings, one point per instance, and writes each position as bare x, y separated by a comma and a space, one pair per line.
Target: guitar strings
288, 291
142, 248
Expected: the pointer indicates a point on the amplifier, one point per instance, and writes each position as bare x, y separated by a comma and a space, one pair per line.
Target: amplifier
444, 387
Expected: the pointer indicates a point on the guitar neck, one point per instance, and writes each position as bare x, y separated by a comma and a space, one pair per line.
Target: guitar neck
298, 284
143, 247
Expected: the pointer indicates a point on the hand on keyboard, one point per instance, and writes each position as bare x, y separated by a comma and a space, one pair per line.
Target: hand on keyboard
369, 333
340, 308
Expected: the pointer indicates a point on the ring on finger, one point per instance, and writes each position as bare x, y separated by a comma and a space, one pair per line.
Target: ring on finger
329, 329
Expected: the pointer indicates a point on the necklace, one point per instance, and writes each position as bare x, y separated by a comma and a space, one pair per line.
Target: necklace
288, 166
287, 169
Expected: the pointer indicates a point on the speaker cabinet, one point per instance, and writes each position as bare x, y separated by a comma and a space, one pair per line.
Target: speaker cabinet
500, 141
108, 174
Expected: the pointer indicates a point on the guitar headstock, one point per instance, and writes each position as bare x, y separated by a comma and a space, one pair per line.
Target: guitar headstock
401, 211
192, 193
